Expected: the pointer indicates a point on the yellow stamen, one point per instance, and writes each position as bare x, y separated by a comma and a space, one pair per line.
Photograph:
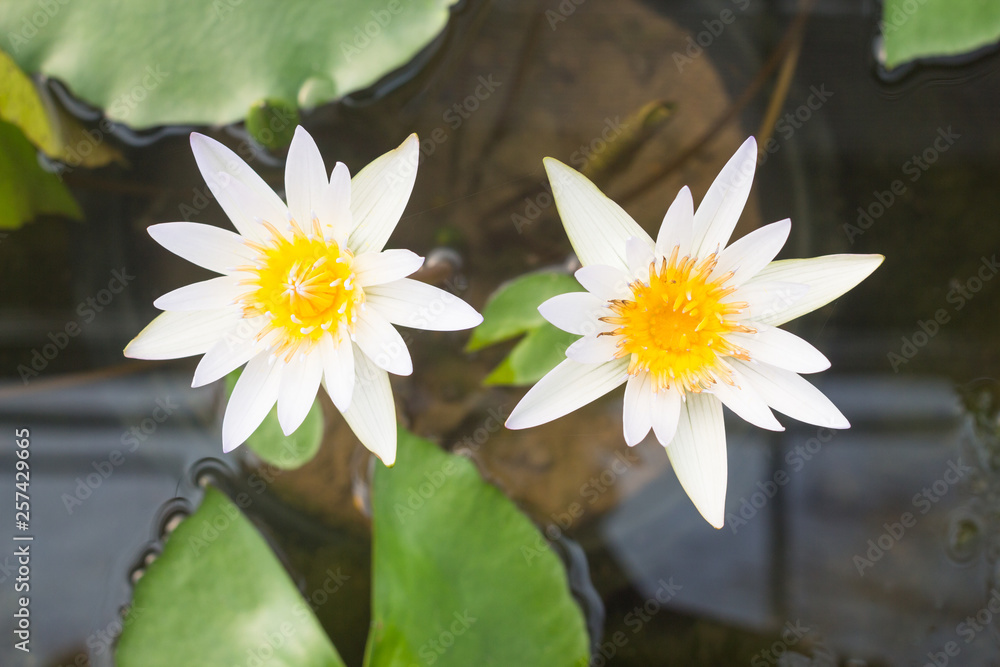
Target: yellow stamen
674, 327
304, 285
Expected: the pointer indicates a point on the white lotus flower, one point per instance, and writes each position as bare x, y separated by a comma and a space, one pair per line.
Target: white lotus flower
306, 295
687, 324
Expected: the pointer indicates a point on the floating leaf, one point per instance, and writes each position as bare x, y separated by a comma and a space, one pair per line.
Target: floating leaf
271, 444
933, 28
27, 190
512, 311
534, 356
461, 576
21, 105
190, 61
272, 123
218, 596
48, 127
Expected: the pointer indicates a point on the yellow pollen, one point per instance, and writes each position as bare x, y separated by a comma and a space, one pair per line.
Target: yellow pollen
305, 286
674, 325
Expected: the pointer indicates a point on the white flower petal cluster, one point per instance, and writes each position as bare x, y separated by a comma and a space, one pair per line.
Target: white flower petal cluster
687, 324
306, 294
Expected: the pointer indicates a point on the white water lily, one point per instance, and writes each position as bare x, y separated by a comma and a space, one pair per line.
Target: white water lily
687, 324
307, 294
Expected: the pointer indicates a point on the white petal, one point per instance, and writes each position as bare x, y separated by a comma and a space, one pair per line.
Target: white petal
305, 178
789, 394
746, 403
372, 414
245, 198
698, 456
205, 295
639, 255
411, 303
250, 200
215, 249
637, 412
781, 348
604, 282
597, 227
338, 370
299, 383
382, 343
593, 349
720, 210
335, 206
565, 388
377, 268
173, 335
677, 226
233, 350
666, 408
765, 298
575, 312
253, 397
747, 256
827, 277
379, 193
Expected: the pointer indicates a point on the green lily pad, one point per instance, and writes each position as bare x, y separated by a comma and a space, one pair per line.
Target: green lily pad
933, 28
49, 128
272, 123
534, 355
195, 62
460, 576
269, 442
218, 596
512, 311
21, 105
27, 190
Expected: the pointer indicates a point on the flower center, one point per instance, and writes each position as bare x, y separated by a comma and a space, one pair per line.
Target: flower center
305, 286
675, 325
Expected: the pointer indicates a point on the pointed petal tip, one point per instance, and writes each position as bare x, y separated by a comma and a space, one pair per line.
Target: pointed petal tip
228, 446
553, 165
513, 423
715, 516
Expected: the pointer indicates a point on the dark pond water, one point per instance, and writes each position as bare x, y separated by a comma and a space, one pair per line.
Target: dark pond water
873, 546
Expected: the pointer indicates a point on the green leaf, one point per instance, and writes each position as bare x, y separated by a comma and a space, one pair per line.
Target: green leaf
49, 128
271, 444
272, 123
513, 310
460, 576
218, 596
534, 356
27, 190
932, 28
21, 105
191, 61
